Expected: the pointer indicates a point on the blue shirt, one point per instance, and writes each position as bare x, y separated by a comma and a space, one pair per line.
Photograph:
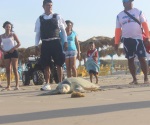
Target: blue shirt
71, 41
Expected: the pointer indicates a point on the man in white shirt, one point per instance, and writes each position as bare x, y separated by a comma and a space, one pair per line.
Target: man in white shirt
47, 29
131, 34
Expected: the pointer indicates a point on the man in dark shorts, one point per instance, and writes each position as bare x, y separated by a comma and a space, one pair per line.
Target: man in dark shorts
132, 37
47, 28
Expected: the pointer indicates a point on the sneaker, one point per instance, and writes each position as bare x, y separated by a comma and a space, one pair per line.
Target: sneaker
46, 87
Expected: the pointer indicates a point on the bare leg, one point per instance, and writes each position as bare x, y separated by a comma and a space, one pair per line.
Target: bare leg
68, 67
144, 68
132, 70
73, 66
59, 72
96, 78
91, 76
47, 73
15, 70
7, 63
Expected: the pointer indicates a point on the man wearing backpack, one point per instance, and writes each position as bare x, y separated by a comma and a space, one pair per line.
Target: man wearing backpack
129, 29
47, 29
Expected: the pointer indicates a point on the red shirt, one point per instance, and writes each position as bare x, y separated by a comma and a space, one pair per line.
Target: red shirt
95, 55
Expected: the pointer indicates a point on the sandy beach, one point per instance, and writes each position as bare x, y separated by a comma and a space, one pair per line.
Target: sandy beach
117, 104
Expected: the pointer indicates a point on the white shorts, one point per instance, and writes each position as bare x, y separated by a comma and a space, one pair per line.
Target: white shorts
69, 54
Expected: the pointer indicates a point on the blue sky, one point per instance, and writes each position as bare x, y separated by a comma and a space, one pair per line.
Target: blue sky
90, 17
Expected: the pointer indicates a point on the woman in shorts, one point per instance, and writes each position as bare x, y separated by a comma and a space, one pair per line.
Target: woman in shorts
9, 43
73, 51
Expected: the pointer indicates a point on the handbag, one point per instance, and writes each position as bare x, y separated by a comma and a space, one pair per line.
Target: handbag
145, 40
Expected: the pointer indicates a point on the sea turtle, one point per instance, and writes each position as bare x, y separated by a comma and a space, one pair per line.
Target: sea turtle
74, 84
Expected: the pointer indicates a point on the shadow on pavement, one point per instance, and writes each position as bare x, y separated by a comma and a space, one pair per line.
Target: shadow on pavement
92, 110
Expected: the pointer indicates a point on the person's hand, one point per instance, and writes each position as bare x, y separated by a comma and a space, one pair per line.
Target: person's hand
12, 50
65, 46
116, 47
78, 56
37, 50
148, 41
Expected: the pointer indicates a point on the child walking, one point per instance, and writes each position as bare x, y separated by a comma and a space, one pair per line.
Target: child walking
92, 60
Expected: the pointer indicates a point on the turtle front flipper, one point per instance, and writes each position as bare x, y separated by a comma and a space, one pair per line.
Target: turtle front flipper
79, 88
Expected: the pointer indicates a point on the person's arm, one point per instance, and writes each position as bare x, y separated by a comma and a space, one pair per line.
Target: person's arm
118, 33
78, 47
62, 25
1, 44
4, 52
64, 35
37, 30
144, 23
146, 29
87, 55
37, 36
37, 40
17, 41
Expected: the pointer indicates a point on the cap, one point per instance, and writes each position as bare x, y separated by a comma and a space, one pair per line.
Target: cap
125, 1
46, 1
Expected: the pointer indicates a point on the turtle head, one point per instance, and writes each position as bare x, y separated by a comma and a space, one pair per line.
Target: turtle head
64, 88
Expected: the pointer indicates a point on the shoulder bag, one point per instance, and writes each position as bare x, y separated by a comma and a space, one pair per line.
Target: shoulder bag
145, 40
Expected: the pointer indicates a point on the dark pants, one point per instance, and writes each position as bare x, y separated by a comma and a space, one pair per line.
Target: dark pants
52, 50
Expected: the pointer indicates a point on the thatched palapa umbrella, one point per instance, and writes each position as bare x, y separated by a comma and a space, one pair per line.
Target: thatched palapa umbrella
110, 51
24, 53
99, 41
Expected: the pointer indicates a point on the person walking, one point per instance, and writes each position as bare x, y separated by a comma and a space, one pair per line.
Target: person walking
47, 29
73, 51
9, 47
131, 33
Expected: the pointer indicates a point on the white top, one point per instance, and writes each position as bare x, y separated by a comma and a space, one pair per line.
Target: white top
61, 24
8, 43
130, 28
